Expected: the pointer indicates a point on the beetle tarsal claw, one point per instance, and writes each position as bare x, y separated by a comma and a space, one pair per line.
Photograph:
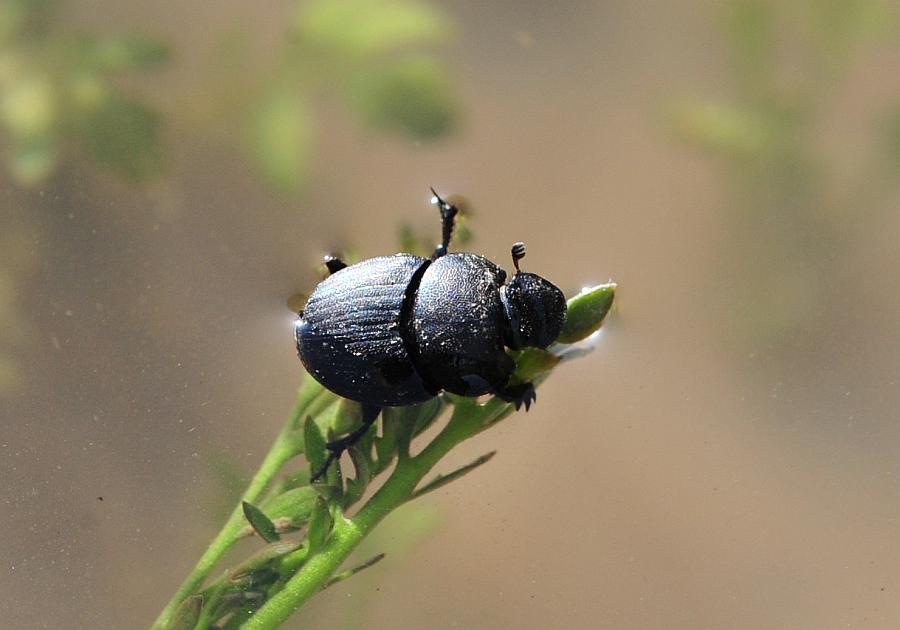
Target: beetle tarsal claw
529, 396
518, 395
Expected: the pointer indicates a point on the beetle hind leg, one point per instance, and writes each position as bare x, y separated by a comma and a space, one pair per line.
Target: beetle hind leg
337, 447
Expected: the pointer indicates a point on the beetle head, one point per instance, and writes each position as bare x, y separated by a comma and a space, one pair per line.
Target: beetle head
535, 311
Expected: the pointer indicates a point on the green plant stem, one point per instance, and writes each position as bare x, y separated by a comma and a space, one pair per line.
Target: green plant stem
311, 565
348, 533
287, 445
228, 535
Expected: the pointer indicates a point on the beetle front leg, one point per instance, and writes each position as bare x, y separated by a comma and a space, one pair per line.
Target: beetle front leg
337, 447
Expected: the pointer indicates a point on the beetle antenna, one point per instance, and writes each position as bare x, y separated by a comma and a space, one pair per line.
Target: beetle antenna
448, 218
518, 253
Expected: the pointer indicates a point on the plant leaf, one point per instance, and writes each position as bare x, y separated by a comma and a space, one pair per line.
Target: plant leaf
320, 524
261, 523
314, 447
187, 614
343, 575
443, 480
532, 362
586, 312
261, 560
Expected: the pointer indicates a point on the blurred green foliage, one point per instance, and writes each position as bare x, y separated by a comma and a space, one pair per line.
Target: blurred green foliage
355, 29
790, 198
372, 55
58, 94
62, 99
281, 136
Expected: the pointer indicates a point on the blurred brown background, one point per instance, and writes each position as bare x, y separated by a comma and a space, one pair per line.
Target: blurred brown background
726, 458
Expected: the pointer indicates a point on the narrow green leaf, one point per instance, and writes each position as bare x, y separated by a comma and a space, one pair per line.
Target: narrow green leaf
320, 524
261, 523
443, 480
532, 362
586, 312
262, 559
255, 579
343, 575
187, 614
315, 450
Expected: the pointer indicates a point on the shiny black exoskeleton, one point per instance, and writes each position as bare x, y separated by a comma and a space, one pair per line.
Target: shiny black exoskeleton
396, 330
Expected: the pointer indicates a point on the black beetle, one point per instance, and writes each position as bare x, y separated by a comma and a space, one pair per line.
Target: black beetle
396, 330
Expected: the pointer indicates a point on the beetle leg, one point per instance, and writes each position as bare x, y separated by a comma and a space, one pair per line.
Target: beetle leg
334, 264
337, 448
523, 393
448, 219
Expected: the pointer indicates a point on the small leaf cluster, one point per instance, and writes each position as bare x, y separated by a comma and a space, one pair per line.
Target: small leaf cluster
307, 531
58, 95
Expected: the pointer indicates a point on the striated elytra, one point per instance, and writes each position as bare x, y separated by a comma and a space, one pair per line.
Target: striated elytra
396, 330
